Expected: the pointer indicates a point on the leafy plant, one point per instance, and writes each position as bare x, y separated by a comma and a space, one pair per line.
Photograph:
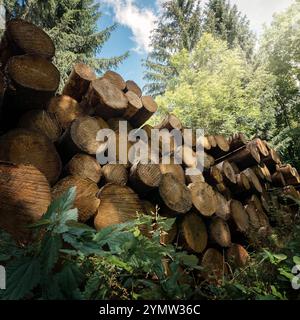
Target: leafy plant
69, 260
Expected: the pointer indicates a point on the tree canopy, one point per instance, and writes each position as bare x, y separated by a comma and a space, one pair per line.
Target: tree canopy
219, 90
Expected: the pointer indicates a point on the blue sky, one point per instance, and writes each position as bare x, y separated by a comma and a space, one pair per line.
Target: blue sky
136, 19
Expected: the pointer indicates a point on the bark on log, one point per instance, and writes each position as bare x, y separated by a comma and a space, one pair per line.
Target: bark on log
25, 197
22, 146
22, 37
175, 169
175, 195
272, 160
79, 81
35, 80
134, 105
237, 256
278, 179
43, 122
194, 232
290, 174
118, 204
239, 216
2, 92
132, 86
115, 79
203, 198
84, 166
115, 173
244, 158
237, 141
80, 137
66, 109
144, 113
107, 100
144, 177
220, 233
86, 200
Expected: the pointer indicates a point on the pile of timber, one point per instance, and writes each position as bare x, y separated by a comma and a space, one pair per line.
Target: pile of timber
48, 144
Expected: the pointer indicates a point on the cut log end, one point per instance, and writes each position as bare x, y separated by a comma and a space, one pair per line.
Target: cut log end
86, 200
175, 195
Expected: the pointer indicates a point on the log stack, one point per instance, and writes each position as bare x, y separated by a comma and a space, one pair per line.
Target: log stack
49, 144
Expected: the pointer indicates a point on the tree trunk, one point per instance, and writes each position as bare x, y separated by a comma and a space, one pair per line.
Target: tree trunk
244, 158
22, 37
144, 177
35, 81
223, 209
144, 113
115, 173
213, 175
203, 198
79, 81
194, 232
237, 141
84, 166
214, 266
220, 233
175, 169
66, 110
86, 200
272, 160
25, 197
239, 216
115, 79
175, 195
254, 181
228, 173
237, 256
107, 100
43, 122
278, 179
134, 105
132, 86
80, 137
22, 146
222, 147
118, 204
170, 122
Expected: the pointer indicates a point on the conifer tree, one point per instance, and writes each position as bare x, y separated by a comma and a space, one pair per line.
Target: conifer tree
72, 24
179, 28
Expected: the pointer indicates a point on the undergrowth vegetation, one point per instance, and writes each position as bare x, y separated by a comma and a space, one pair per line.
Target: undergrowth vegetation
69, 260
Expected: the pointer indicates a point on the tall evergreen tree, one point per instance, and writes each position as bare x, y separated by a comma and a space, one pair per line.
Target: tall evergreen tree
72, 24
179, 28
226, 22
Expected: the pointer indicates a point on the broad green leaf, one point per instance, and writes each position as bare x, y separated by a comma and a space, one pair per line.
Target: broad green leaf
50, 247
296, 260
22, 276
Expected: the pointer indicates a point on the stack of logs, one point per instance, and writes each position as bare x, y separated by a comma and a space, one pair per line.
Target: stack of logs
48, 144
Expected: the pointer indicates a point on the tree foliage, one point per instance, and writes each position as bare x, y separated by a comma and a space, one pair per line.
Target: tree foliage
219, 90
72, 24
280, 51
226, 22
179, 27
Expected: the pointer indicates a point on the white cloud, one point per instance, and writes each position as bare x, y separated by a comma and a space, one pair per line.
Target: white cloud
141, 21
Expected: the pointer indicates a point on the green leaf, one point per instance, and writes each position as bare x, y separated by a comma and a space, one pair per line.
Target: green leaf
296, 260
66, 217
50, 247
23, 275
280, 257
